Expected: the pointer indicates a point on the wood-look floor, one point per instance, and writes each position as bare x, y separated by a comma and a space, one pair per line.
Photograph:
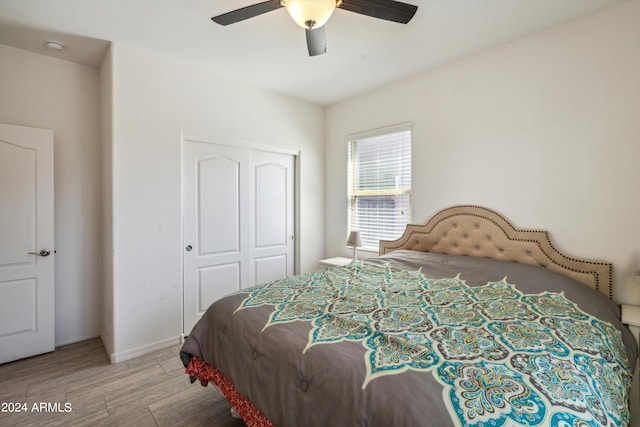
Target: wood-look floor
151, 390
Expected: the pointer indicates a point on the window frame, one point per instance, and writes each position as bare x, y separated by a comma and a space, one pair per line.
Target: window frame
352, 173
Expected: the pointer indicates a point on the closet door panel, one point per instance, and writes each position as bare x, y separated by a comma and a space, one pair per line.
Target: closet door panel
270, 268
216, 199
270, 205
218, 207
272, 240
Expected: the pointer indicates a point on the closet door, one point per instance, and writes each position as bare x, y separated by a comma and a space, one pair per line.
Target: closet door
272, 238
238, 222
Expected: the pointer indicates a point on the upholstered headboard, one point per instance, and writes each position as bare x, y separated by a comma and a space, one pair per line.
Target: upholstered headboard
480, 232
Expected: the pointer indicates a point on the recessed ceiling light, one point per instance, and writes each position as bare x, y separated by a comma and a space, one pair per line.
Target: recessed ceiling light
54, 45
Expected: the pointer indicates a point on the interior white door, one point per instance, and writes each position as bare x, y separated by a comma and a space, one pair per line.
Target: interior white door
215, 195
27, 300
238, 222
272, 237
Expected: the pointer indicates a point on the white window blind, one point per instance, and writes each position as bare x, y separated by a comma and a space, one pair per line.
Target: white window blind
380, 184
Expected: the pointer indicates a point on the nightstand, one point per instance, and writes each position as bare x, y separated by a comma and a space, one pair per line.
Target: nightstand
631, 317
335, 262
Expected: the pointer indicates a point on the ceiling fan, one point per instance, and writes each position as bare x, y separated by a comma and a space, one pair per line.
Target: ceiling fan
313, 14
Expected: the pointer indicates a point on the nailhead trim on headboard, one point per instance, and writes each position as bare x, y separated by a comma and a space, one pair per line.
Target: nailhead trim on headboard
481, 232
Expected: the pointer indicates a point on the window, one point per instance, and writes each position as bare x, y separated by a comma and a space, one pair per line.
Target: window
380, 184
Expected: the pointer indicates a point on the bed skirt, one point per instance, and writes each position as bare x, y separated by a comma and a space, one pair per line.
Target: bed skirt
201, 370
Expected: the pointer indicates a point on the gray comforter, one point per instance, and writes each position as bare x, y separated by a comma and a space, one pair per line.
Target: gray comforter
462, 341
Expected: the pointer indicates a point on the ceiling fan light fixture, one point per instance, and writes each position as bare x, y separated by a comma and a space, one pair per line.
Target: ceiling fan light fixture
310, 14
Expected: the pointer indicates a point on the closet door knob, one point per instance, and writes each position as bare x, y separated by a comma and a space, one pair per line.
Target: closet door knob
43, 252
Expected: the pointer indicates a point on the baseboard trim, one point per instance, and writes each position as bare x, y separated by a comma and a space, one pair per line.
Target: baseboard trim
142, 350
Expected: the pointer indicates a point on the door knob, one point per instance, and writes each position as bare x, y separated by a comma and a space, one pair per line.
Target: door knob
43, 252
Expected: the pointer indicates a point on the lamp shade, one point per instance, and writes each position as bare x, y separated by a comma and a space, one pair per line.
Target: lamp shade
354, 239
310, 14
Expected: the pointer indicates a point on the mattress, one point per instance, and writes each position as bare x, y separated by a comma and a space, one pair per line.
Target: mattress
414, 338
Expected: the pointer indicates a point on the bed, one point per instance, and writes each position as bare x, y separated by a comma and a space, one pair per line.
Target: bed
464, 320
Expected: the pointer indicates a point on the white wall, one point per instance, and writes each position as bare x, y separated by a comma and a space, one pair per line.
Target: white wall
45, 92
154, 100
544, 130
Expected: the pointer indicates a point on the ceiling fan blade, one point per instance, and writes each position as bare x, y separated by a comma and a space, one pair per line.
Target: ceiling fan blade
246, 12
389, 10
316, 41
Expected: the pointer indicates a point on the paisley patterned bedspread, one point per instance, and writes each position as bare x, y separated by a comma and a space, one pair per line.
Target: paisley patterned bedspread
423, 339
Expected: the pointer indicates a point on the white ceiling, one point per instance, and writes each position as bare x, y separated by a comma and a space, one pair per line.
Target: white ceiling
269, 51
